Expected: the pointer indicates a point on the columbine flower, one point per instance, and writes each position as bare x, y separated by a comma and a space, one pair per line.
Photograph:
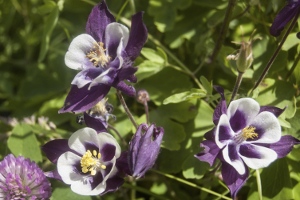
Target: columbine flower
144, 149
104, 56
21, 178
87, 161
246, 135
284, 16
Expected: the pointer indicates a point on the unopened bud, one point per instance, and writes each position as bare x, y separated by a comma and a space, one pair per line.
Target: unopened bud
143, 96
245, 57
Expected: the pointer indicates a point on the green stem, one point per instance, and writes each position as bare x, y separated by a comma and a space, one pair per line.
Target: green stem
192, 184
223, 31
269, 64
145, 191
121, 10
132, 5
258, 184
173, 57
126, 109
238, 81
293, 67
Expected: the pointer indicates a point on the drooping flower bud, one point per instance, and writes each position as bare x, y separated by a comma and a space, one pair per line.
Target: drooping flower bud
144, 149
142, 96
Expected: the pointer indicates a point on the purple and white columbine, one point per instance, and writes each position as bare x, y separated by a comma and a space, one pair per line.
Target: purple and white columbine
285, 15
144, 148
87, 161
104, 56
246, 135
21, 178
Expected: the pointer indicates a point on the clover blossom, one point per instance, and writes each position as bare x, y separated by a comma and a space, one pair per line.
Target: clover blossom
246, 135
285, 15
21, 178
104, 55
87, 161
144, 149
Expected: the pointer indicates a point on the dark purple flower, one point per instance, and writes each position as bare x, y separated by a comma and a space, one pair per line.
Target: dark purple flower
87, 161
104, 56
245, 135
21, 178
144, 149
285, 15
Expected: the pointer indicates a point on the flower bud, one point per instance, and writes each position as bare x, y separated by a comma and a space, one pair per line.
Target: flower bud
144, 149
142, 96
245, 57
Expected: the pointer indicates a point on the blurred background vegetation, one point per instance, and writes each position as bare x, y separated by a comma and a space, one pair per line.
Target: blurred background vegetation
175, 67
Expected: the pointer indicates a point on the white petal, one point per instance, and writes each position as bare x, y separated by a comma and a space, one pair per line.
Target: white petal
75, 57
77, 139
80, 80
267, 157
104, 138
84, 188
269, 123
223, 121
102, 78
249, 107
116, 32
238, 165
65, 167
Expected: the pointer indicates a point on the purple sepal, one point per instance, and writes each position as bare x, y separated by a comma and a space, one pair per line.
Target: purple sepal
137, 37
210, 153
144, 149
276, 111
122, 163
53, 174
126, 89
99, 124
127, 73
113, 184
55, 148
221, 107
284, 16
284, 145
98, 19
233, 179
82, 99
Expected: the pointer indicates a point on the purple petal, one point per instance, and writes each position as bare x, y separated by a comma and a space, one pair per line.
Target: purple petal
122, 163
86, 76
98, 124
276, 111
98, 19
283, 17
126, 73
210, 153
137, 37
221, 107
113, 183
55, 148
224, 133
53, 174
83, 99
233, 179
283, 146
247, 150
238, 121
108, 151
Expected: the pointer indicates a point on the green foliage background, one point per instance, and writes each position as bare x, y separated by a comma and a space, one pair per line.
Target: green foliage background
174, 67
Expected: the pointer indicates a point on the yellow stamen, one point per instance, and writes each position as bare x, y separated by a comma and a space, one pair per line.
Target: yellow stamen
90, 162
97, 55
248, 133
99, 108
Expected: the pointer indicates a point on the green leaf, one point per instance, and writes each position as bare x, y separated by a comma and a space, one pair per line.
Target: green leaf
275, 181
290, 42
49, 25
193, 168
185, 96
152, 55
208, 86
23, 142
46, 8
203, 120
65, 193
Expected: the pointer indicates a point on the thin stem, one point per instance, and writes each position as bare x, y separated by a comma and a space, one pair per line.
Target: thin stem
238, 81
173, 57
117, 132
146, 111
258, 184
269, 64
126, 109
132, 5
223, 31
145, 191
290, 72
192, 184
121, 10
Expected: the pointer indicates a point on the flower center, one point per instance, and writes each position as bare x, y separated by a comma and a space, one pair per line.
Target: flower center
97, 55
247, 133
90, 162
